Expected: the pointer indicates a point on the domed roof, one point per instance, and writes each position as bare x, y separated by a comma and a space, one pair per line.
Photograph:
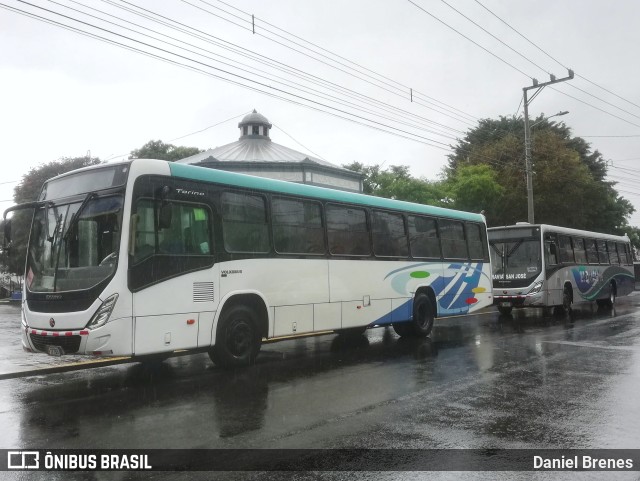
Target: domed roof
254, 118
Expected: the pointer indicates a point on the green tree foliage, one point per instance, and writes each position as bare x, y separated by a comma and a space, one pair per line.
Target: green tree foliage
569, 181
156, 149
27, 191
474, 188
397, 183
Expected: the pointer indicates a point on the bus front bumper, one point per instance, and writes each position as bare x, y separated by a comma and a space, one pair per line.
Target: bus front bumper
520, 300
112, 339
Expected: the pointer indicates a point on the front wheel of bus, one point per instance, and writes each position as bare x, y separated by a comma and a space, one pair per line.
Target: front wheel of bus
237, 340
567, 299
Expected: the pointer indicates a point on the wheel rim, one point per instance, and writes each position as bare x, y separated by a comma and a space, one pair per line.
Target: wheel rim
612, 296
239, 338
422, 316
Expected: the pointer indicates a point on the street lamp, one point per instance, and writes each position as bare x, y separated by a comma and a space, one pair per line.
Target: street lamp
527, 135
564, 112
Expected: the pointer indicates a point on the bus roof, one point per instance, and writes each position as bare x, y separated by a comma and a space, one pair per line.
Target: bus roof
278, 186
562, 230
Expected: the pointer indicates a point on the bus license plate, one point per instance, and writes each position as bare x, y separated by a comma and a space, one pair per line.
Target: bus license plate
505, 304
55, 351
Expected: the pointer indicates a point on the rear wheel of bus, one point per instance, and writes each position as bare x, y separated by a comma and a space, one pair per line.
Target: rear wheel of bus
423, 318
238, 338
611, 300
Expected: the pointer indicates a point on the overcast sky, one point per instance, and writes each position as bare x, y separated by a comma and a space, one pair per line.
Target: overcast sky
64, 94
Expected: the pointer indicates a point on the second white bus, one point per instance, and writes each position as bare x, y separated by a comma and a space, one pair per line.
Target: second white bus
551, 266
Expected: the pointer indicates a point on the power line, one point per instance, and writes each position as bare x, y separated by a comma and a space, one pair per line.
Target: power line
278, 65
402, 88
297, 99
494, 37
469, 39
401, 94
562, 64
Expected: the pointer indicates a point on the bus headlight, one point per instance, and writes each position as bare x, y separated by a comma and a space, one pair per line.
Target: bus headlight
537, 287
101, 316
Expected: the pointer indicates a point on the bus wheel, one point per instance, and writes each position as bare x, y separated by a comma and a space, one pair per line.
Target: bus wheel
567, 299
611, 300
237, 340
403, 329
505, 311
423, 316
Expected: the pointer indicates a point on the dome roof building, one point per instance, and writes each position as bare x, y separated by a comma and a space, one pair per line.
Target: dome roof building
254, 153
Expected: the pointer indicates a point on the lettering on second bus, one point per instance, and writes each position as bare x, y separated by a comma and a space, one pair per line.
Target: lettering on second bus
225, 273
520, 275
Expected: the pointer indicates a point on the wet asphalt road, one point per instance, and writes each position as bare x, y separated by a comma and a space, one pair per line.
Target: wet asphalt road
480, 382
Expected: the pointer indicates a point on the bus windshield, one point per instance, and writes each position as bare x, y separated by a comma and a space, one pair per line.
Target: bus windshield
74, 246
516, 260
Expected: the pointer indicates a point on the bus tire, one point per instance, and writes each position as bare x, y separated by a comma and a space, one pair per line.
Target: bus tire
611, 300
238, 339
505, 311
403, 329
423, 316
567, 299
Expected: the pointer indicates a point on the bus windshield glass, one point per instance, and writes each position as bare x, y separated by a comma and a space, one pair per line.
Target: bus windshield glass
516, 260
74, 246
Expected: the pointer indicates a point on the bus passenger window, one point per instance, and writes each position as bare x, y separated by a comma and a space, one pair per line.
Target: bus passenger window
613, 253
592, 251
624, 254
551, 253
389, 236
579, 251
474, 241
423, 237
187, 234
297, 227
454, 245
244, 223
347, 231
603, 255
566, 249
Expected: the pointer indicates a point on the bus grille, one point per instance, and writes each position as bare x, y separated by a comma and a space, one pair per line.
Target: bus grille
70, 344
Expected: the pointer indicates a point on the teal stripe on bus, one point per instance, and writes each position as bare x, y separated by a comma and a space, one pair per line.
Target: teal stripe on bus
204, 174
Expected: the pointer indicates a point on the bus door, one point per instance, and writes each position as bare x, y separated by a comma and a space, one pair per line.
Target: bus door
553, 281
173, 287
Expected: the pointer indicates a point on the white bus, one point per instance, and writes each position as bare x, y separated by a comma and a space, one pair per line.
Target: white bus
549, 266
150, 257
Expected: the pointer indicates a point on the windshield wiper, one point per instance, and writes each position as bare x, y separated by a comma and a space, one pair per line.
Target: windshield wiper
76, 216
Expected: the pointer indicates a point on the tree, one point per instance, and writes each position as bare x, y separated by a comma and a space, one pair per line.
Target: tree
569, 183
156, 149
475, 188
397, 183
27, 191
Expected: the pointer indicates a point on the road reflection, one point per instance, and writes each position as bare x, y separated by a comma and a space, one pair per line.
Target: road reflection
524, 378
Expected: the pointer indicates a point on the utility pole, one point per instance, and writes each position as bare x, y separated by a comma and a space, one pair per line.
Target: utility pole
527, 136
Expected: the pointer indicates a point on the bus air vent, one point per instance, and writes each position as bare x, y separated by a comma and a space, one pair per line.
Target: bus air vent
203, 292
